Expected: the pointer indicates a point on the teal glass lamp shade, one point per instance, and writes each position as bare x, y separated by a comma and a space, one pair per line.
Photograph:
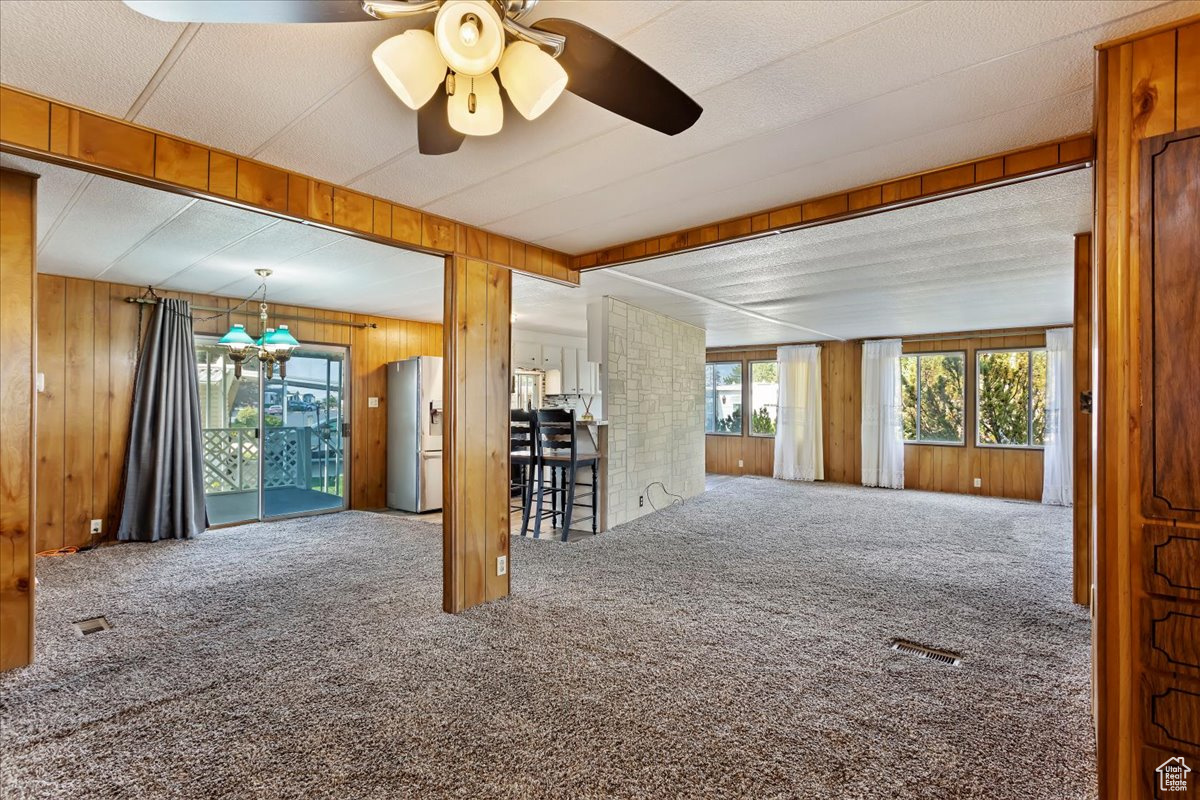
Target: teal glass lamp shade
280, 340
237, 339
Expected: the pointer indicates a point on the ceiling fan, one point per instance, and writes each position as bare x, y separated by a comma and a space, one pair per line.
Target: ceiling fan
446, 70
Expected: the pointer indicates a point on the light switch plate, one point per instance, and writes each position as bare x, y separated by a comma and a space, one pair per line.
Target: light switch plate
372, 402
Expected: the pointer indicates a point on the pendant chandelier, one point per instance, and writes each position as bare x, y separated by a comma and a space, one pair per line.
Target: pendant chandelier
273, 346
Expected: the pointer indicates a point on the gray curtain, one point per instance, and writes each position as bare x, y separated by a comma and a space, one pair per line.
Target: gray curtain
164, 465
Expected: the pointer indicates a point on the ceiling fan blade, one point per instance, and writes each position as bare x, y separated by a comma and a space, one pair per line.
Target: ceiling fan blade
603, 72
435, 137
259, 11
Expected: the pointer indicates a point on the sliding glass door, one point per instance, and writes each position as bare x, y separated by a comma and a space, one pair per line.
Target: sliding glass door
273, 446
229, 435
304, 442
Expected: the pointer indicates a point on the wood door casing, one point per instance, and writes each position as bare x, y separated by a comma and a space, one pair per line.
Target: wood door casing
1145, 701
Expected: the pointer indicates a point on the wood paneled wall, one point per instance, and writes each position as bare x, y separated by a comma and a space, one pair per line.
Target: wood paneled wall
841, 409
1146, 708
1004, 472
841, 379
18, 287
723, 452
87, 350
475, 438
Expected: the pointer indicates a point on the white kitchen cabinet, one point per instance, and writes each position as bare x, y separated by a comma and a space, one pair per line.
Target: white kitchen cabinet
570, 370
527, 355
589, 375
554, 384
552, 358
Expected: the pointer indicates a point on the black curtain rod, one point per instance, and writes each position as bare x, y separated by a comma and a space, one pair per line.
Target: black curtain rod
299, 317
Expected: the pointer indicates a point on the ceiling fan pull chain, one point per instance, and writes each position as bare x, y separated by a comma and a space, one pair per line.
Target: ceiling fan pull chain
450, 84
471, 97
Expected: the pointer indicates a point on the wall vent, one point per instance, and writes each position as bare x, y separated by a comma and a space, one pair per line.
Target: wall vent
921, 651
86, 627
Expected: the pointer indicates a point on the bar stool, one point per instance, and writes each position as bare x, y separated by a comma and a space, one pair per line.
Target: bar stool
558, 450
522, 445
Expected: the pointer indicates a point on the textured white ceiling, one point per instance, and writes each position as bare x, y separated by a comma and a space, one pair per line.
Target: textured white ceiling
104, 229
800, 99
993, 259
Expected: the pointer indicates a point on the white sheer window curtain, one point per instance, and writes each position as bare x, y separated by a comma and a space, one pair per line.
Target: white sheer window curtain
799, 449
882, 433
1058, 471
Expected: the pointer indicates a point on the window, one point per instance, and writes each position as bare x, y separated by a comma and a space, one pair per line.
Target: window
723, 398
764, 397
933, 391
1011, 398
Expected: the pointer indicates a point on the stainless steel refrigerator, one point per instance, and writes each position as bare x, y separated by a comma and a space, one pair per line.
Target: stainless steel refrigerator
414, 446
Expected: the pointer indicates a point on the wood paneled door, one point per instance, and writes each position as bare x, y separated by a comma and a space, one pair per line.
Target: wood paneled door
1170, 296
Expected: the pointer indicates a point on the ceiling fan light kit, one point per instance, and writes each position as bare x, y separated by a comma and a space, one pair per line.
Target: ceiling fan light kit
470, 35
475, 108
447, 72
412, 65
532, 78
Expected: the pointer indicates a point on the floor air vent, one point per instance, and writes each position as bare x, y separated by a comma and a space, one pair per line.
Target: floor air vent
86, 627
921, 651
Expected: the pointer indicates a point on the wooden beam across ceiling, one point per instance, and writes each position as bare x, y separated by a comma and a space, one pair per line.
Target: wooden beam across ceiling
48, 130
988, 172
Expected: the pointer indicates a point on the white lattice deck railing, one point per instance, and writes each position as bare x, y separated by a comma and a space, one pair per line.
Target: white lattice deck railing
231, 459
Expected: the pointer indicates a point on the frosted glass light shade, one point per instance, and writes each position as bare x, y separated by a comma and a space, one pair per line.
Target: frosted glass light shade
533, 78
480, 56
412, 65
488, 117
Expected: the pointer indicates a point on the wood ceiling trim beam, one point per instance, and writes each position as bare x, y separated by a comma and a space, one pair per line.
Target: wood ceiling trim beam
1013, 166
48, 130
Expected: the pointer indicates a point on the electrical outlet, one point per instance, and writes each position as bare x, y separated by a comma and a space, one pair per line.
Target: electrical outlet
372, 402
501, 565
97, 525
741, 463
978, 482
641, 500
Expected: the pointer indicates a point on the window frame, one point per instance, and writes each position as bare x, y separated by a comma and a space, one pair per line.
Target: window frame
749, 370
1029, 445
967, 387
736, 363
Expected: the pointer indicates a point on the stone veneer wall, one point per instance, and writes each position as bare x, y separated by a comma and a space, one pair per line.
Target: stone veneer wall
654, 398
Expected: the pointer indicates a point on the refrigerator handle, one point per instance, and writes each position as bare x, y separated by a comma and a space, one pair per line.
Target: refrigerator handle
434, 413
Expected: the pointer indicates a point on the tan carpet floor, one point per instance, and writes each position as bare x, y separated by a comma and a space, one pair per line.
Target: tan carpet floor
732, 646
